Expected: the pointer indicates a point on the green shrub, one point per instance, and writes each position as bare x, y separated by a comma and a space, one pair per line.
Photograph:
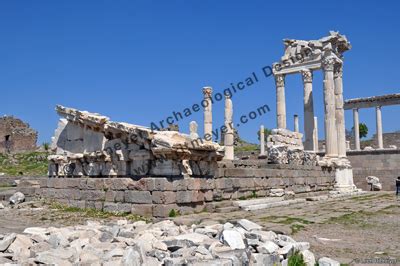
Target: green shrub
296, 260
173, 213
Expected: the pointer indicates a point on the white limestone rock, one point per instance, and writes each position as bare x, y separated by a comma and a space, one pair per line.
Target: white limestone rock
308, 257
16, 198
6, 242
233, 239
249, 225
374, 181
268, 247
327, 262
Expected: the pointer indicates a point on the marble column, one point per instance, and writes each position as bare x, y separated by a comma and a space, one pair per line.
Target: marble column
280, 101
315, 135
262, 141
207, 91
379, 127
228, 137
329, 102
296, 123
356, 129
339, 112
307, 76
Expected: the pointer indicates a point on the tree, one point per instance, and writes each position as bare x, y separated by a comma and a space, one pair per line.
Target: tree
267, 132
46, 146
363, 129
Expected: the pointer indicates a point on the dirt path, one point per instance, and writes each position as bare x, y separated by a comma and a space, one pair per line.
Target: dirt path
360, 228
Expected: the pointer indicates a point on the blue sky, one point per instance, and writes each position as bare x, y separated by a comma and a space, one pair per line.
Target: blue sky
138, 61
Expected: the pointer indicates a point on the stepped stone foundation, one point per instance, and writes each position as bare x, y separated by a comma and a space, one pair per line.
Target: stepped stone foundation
157, 196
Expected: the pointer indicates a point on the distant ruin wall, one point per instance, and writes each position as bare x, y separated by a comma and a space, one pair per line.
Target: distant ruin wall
384, 164
16, 136
157, 196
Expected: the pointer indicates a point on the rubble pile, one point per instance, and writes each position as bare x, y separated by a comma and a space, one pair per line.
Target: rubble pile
163, 243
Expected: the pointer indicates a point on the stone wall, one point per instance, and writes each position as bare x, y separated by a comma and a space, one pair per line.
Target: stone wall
384, 164
157, 196
16, 136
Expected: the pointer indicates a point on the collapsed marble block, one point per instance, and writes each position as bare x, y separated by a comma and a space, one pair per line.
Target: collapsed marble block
277, 154
280, 136
295, 156
89, 144
310, 158
374, 182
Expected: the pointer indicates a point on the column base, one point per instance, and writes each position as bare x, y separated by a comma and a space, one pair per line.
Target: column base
344, 180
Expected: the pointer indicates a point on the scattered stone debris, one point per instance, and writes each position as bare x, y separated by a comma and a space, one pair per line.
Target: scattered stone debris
374, 182
17, 198
163, 243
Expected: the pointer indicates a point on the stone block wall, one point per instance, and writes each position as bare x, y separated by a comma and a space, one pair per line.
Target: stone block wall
157, 196
384, 164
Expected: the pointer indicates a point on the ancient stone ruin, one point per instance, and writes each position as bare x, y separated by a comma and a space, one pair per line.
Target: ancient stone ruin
16, 135
135, 169
304, 57
89, 144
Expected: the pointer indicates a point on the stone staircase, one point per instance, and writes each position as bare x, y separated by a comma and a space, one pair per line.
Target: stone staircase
272, 202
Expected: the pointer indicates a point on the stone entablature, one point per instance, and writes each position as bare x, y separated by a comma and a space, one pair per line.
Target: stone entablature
311, 55
89, 144
368, 102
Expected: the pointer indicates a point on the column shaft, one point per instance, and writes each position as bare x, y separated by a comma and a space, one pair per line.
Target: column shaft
339, 113
329, 101
315, 134
262, 141
229, 138
356, 129
280, 101
296, 123
379, 127
307, 76
207, 91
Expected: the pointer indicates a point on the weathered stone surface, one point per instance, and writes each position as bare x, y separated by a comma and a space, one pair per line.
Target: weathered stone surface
122, 242
233, 239
268, 247
308, 257
6, 242
249, 225
138, 197
277, 154
327, 262
164, 197
295, 156
17, 198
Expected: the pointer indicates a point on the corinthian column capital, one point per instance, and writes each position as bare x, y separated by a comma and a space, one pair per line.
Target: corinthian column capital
328, 63
307, 76
280, 80
207, 91
338, 71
